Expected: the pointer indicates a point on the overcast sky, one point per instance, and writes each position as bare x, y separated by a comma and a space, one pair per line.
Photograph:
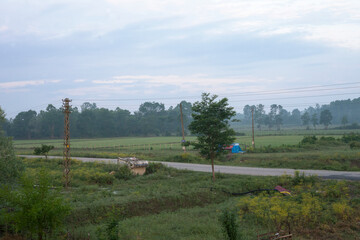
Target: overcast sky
125, 52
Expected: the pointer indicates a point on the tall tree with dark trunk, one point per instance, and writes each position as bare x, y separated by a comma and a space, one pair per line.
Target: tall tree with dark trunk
211, 126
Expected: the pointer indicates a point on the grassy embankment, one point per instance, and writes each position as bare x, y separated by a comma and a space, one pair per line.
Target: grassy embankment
173, 204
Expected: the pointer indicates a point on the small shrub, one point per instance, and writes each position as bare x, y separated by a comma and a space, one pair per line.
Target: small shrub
309, 140
355, 145
153, 168
352, 137
124, 173
43, 150
229, 225
102, 178
186, 143
300, 179
342, 209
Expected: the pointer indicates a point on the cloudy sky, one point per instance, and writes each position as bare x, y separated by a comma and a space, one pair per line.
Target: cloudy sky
125, 52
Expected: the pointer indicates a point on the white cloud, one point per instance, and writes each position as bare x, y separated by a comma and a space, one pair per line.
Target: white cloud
3, 28
343, 35
79, 80
21, 84
225, 17
144, 84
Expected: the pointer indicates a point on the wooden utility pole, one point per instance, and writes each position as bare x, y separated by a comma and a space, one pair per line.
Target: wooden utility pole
66, 152
252, 116
182, 127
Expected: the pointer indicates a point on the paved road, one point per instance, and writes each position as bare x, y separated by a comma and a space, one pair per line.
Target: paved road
237, 170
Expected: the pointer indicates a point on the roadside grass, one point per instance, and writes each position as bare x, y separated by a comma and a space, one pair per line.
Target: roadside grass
286, 151
328, 159
178, 204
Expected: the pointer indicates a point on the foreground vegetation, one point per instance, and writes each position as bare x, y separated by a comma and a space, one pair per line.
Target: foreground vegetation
172, 204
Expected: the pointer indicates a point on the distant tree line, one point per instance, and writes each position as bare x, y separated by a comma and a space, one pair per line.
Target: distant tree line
152, 119
341, 112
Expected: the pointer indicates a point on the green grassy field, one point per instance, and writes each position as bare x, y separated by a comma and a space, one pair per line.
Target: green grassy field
156, 143
174, 204
331, 156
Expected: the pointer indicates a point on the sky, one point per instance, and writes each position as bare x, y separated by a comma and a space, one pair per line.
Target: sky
121, 53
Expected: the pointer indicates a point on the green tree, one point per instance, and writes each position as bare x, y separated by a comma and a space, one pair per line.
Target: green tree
43, 150
24, 124
211, 126
314, 120
259, 115
36, 209
344, 120
10, 166
325, 118
305, 118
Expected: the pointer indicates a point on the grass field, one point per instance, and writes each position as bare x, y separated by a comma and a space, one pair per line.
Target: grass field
333, 156
174, 204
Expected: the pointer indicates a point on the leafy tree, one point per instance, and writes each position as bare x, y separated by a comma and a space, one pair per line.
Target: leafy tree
24, 124
247, 113
296, 116
325, 118
51, 122
314, 120
36, 209
279, 116
259, 115
305, 118
43, 150
344, 120
211, 126
10, 166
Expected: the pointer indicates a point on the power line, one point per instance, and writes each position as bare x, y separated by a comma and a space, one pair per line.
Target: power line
280, 91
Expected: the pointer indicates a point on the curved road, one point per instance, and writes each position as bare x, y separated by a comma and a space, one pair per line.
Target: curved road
254, 171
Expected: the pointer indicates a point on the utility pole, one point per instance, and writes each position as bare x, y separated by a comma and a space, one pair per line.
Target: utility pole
252, 116
182, 127
66, 152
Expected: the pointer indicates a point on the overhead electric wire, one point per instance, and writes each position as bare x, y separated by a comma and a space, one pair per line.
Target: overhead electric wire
280, 91
268, 99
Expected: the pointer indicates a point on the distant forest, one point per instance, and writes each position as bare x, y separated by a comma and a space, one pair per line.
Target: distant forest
152, 119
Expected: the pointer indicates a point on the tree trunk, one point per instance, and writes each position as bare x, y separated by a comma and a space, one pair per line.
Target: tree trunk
212, 166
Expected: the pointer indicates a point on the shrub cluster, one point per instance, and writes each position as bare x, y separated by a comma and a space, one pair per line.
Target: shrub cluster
309, 205
352, 137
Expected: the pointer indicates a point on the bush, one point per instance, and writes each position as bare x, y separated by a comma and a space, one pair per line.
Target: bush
124, 173
347, 138
355, 145
102, 178
10, 165
43, 150
229, 225
309, 140
308, 207
153, 168
300, 179
34, 208
186, 143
